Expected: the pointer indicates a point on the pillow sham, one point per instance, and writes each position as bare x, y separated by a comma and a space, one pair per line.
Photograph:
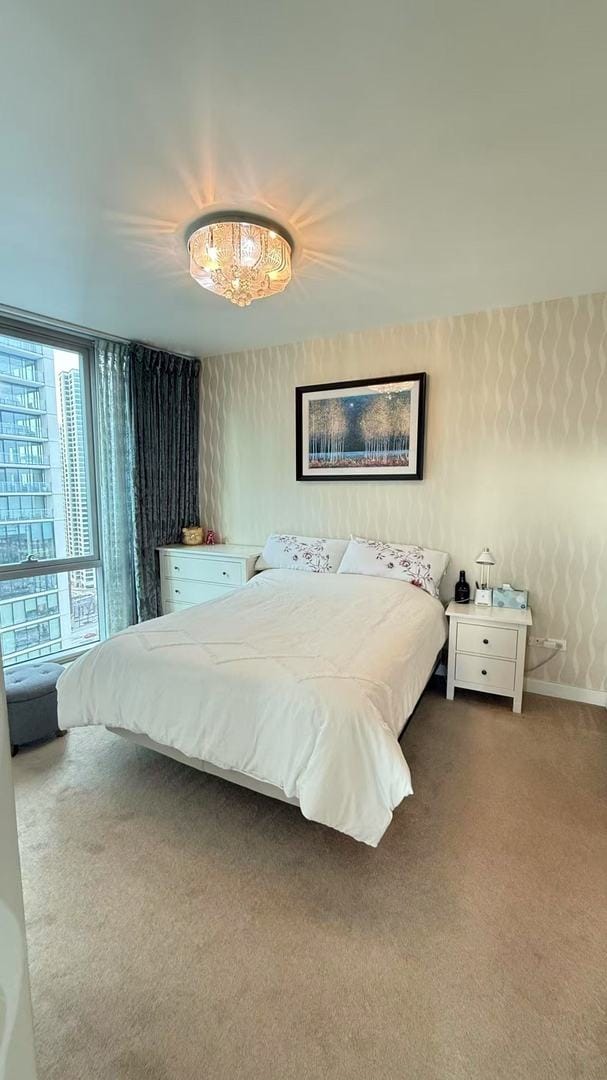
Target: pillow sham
419, 566
285, 552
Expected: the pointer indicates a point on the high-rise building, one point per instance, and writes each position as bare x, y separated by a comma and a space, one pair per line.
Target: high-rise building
34, 611
75, 478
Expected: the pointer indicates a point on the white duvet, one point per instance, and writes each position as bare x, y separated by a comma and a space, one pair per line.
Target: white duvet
301, 680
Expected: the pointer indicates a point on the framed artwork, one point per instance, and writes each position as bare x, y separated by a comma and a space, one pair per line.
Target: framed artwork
369, 429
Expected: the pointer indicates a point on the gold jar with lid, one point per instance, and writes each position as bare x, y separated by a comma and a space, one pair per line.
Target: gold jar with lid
192, 535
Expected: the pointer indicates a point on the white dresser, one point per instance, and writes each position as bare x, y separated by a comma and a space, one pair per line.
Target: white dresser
193, 575
487, 650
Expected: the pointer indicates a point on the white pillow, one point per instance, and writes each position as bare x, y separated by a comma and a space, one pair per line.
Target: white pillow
419, 566
284, 552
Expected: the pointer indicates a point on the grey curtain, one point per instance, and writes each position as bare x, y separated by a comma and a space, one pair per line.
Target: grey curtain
115, 471
164, 401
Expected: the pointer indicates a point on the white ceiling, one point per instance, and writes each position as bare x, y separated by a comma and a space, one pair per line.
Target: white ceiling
431, 158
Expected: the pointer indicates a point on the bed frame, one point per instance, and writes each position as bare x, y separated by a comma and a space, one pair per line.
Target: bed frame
233, 775
206, 766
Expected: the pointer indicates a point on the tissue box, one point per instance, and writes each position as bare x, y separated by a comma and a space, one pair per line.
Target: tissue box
510, 598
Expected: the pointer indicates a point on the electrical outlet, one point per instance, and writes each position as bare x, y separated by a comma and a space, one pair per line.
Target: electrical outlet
558, 644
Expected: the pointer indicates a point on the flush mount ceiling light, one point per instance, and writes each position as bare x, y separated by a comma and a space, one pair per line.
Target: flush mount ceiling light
240, 256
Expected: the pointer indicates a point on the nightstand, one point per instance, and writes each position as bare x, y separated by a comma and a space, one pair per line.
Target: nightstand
487, 650
193, 575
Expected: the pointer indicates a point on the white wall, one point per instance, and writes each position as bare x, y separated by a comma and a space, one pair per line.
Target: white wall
516, 456
16, 1038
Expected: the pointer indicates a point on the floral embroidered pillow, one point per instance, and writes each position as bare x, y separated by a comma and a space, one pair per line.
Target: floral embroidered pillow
419, 566
284, 552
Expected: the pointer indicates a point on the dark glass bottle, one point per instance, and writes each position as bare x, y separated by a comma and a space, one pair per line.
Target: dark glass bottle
462, 589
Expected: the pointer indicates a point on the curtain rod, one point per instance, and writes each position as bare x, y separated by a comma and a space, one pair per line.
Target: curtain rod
57, 324
79, 331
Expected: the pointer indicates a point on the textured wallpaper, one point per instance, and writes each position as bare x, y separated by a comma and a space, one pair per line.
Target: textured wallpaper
516, 457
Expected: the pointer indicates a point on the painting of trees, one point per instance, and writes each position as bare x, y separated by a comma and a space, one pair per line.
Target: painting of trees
401, 421
376, 426
360, 428
385, 425
328, 426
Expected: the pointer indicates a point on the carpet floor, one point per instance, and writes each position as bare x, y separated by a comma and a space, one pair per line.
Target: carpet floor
183, 928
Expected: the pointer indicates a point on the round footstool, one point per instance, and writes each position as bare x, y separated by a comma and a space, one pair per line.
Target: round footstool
31, 696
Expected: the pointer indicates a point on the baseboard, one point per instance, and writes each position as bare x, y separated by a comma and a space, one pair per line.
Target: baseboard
554, 689
570, 693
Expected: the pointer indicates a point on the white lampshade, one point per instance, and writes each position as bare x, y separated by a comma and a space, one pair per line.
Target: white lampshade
485, 558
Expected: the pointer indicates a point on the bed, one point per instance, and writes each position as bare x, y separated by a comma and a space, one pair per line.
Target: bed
298, 685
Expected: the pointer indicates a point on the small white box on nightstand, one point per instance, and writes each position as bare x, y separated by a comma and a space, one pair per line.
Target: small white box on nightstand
483, 597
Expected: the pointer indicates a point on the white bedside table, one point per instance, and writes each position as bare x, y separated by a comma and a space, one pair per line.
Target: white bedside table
487, 650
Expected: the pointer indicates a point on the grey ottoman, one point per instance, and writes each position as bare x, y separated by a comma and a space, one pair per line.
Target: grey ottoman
31, 697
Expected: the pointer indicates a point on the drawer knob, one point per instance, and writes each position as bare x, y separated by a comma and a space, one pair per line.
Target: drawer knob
175, 568
485, 641
177, 591
225, 573
483, 672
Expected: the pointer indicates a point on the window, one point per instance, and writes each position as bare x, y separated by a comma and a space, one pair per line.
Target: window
49, 561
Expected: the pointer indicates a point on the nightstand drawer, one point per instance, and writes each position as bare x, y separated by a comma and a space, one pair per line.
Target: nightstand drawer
203, 568
485, 671
192, 592
487, 640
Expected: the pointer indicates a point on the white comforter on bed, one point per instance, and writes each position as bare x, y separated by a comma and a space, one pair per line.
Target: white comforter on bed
301, 680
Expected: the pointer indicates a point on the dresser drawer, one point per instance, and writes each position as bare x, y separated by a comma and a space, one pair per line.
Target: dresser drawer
192, 592
169, 606
487, 640
203, 568
485, 671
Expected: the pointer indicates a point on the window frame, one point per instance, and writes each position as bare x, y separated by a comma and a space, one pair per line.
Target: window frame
71, 342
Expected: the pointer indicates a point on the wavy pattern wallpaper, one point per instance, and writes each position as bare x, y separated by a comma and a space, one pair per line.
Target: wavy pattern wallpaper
516, 457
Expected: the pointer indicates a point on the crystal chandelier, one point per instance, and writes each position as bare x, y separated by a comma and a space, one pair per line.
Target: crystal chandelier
239, 256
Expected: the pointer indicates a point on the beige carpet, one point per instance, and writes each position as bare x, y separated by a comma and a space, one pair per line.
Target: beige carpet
182, 928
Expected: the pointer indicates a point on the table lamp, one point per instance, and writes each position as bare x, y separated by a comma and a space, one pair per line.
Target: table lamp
484, 592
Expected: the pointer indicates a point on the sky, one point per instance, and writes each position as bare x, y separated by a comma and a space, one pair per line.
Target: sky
65, 361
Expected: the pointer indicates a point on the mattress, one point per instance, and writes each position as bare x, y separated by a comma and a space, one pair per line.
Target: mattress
302, 681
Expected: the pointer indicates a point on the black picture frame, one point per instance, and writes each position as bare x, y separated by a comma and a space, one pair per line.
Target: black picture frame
369, 469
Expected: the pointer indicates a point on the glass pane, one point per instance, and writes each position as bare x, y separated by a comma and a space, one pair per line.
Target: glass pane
48, 613
44, 492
